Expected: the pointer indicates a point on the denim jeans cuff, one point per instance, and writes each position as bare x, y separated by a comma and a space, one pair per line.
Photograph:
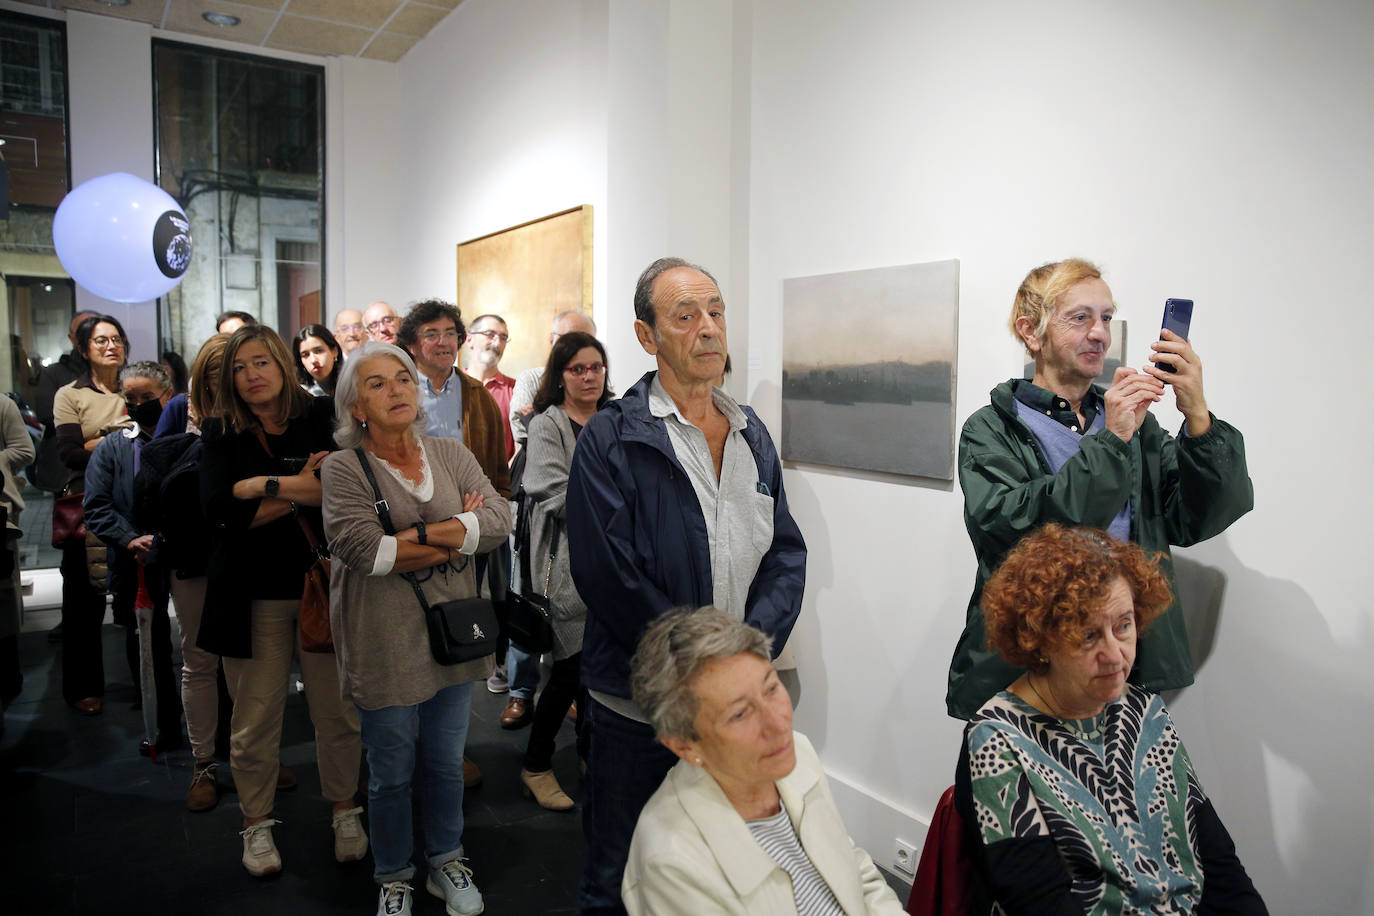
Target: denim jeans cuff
404, 874
440, 859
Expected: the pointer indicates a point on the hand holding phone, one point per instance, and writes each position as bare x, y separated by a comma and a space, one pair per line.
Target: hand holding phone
1178, 316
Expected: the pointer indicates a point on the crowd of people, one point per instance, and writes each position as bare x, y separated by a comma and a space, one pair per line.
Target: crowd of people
654, 532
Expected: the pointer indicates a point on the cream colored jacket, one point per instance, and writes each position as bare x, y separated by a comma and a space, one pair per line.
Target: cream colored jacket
692, 853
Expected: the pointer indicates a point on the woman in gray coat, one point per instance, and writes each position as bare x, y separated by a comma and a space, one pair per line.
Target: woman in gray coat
572, 389
412, 709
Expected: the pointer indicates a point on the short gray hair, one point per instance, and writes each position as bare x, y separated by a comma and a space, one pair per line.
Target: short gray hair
644, 288
154, 372
348, 432
674, 650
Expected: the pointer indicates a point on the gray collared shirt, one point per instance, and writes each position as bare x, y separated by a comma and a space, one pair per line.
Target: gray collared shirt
739, 516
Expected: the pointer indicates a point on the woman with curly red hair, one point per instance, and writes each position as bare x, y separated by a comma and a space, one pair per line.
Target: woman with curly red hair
1075, 783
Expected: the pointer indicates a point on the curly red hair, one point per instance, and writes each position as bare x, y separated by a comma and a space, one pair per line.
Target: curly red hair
1048, 585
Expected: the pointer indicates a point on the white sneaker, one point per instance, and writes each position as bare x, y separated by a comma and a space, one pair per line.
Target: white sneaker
497, 683
350, 842
394, 900
260, 854
452, 883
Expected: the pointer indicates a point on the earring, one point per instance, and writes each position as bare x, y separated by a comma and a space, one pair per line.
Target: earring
364, 422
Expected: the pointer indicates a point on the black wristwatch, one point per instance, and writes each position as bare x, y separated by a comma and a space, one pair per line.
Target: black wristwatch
270, 488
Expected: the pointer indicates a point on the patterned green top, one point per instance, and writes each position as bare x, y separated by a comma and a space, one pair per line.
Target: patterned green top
1117, 794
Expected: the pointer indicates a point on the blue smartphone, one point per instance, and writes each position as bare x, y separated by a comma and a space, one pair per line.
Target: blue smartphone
1178, 316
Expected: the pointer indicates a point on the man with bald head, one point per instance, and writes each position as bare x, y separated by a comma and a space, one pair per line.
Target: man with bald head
674, 498
349, 330
381, 322
527, 382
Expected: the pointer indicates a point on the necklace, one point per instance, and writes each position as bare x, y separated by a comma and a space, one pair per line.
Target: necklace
1031, 682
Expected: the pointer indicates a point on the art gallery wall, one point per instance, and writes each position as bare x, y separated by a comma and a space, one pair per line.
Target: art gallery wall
1215, 151
501, 119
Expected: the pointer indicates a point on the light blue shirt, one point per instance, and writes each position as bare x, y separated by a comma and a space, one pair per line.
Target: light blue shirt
444, 408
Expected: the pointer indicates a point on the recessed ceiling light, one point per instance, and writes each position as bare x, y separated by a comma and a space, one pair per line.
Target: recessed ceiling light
116, 2
223, 19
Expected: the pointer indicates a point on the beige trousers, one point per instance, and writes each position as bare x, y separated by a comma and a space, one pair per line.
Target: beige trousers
199, 687
259, 685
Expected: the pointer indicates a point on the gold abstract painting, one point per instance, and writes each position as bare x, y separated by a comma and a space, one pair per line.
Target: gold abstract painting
527, 274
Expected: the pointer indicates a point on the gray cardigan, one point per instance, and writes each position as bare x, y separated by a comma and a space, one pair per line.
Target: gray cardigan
550, 456
379, 629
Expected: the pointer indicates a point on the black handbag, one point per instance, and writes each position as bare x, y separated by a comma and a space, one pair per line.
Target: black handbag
529, 614
460, 630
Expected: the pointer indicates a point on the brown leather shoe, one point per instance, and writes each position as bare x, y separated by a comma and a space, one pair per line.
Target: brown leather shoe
91, 706
285, 778
472, 777
517, 714
204, 792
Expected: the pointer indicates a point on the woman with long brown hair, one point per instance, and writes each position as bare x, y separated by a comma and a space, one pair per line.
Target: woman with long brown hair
258, 484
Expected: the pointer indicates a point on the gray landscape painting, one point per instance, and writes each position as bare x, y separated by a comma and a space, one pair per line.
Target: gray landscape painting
868, 369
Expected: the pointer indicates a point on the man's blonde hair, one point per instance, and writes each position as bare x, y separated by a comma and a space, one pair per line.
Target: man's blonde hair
1039, 294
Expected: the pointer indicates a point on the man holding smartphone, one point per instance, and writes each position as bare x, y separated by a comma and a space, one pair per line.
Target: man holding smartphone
1060, 449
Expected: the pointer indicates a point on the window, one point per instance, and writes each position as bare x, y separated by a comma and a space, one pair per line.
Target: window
38, 299
240, 144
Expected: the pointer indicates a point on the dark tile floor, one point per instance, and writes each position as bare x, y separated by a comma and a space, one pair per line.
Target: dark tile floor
91, 827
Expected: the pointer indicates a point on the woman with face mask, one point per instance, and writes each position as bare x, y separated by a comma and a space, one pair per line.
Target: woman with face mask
137, 579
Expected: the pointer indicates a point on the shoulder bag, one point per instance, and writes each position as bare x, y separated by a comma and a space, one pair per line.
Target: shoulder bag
313, 620
461, 629
529, 615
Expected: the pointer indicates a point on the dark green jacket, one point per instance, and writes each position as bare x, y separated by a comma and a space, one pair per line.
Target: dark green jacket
1182, 491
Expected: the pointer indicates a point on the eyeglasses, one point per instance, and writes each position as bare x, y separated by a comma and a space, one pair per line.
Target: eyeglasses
579, 370
348, 327
103, 342
134, 400
388, 321
493, 335
431, 336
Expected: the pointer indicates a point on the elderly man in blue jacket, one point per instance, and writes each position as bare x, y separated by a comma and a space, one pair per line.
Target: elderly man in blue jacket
675, 498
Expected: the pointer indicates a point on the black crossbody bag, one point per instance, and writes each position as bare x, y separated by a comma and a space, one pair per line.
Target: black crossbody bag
460, 630
529, 617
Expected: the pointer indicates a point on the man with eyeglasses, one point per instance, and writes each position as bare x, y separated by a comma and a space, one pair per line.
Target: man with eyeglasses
349, 330
485, 345
380, 321
674, 498
457, 406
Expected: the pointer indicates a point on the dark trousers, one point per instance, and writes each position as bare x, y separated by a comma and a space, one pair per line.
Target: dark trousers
626, 767
83, 612
563, 688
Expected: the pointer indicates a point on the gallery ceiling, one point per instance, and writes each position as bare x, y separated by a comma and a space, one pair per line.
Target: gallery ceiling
376, 29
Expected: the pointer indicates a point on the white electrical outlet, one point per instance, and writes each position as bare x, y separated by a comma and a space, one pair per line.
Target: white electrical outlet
904, 858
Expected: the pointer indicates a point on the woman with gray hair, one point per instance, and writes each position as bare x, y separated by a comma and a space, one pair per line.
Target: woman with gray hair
444, 510
744, 823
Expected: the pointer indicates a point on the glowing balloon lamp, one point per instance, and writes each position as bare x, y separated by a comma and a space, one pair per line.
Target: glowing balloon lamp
122, 238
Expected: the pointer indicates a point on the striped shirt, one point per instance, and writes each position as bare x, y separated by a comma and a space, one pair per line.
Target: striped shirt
777, 837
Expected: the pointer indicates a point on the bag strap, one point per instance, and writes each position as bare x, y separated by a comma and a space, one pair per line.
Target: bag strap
384, 516
319, 550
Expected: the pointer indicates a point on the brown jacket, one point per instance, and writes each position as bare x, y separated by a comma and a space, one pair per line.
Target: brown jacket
484, 431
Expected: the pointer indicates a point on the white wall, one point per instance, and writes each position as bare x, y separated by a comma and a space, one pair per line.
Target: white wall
110, 111
1217, 151
502, 120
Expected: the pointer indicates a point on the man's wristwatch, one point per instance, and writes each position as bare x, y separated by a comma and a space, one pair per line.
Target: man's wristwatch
271, 488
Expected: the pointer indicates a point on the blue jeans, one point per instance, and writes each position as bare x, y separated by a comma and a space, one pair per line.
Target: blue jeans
522, 672
439, 726
627, 766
